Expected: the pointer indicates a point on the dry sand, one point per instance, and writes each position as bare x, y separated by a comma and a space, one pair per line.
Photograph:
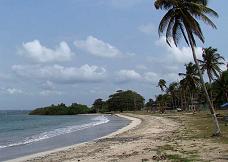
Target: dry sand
147, 138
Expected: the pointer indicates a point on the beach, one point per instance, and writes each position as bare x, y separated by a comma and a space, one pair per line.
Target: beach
123, 144
146, 138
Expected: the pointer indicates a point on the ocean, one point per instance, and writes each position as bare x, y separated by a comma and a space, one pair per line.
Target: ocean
22, 134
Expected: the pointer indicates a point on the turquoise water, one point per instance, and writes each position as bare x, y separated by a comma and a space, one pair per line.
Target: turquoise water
22, 134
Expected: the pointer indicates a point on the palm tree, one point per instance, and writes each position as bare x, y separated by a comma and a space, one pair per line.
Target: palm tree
210, 64
172, 89
191, 77
181, 20
162, 84
191, 80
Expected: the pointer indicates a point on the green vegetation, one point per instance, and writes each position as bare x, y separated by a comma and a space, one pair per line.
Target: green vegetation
120, 101
179, 158
62, 109
198, 127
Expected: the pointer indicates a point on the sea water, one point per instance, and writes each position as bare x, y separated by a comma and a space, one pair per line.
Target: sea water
22, 134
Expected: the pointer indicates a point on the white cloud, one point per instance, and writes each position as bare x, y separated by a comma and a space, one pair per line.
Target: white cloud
151, 77
14, 91
50, 93
10, 91
147, 29
128, 75
98, 47
39, 53
61, 74
48, 85
180, 55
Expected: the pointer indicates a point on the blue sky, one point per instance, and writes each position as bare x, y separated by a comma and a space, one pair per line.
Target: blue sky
54, 51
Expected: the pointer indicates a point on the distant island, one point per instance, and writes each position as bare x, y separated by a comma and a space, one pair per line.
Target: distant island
119, 101
62, 109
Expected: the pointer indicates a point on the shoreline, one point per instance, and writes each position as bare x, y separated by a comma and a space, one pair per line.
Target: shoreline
133, 123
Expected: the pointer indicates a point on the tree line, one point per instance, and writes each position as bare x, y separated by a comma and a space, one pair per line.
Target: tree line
119, 101
62, 109
189, 91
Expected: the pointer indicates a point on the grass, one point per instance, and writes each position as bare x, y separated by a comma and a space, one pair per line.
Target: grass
200, 125
195, 126
179, 158
169, 152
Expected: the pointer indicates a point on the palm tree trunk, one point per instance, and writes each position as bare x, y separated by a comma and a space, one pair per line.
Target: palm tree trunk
172, 102
185, 100
182, 100
211, 91
211, 107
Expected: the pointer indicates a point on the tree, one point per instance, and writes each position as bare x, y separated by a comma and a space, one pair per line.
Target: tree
98, 103
181, 20
210, 63
162, 84
172, 89
163, 101
191, 80
220, 88
149, 104
125, 101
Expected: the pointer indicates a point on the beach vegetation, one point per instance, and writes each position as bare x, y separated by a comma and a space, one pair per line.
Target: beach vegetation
62, 109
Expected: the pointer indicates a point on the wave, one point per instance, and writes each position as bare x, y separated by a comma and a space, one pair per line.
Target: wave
60, 131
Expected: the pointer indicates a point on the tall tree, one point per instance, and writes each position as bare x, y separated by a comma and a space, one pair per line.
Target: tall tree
181, 20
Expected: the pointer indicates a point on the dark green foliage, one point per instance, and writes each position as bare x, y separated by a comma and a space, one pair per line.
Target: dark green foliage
62, 109
125, 101
181, 19
150, 103
162, 84
220, 89
211, 63
98, 104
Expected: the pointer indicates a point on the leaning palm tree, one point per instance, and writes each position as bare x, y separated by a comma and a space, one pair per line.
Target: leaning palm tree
162, 84
181, 20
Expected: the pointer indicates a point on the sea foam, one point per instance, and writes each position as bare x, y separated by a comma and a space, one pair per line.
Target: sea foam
60, 131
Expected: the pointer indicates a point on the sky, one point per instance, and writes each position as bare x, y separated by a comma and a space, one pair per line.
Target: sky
54, 51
